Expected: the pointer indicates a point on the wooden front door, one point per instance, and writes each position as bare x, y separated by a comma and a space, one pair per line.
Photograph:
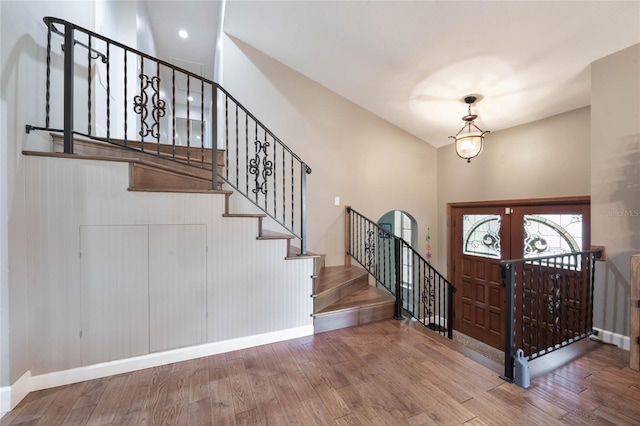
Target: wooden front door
482, 240
482, 236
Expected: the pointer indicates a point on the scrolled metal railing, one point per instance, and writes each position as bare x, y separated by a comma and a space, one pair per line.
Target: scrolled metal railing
144, 104
420, 290
548, 303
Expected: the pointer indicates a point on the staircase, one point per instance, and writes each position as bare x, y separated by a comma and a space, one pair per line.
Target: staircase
255, 162
342, 294
344, 298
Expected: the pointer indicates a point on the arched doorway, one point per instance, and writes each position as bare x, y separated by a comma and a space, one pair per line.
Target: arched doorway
403, 225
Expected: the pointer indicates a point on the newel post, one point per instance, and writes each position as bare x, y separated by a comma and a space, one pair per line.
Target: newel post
214, 139
398, 271
509, 282
347, 236
68, 88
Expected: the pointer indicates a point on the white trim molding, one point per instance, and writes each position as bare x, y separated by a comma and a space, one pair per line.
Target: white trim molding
610, 337
10, 396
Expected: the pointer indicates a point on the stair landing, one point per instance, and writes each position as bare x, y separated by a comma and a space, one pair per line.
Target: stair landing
344, 298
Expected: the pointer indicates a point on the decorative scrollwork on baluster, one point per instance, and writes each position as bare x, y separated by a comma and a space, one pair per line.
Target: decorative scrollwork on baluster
428, 297
370, 252
554, 304
158, 106
261, 166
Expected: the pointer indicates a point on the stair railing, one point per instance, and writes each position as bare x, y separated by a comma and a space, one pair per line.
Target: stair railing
420, 290
142, 103
548, 304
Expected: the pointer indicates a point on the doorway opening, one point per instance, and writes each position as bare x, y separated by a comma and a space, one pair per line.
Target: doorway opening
403, 225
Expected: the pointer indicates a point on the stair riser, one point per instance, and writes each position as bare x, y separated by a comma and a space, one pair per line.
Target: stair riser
143, 177
109, 150
330, 296
353, 317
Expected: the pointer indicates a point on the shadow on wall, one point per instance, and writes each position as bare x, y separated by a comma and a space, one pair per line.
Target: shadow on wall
624, 174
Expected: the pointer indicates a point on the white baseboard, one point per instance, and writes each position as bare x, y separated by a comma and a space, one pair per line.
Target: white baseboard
10, 396
619, 340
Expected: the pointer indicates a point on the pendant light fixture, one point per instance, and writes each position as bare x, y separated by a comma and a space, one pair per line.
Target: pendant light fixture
470, 138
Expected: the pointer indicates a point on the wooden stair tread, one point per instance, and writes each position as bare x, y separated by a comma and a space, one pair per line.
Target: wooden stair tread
259, 215
294, 253
272, 235
78, 156
189, 191
365, 297
332, 276
105, 150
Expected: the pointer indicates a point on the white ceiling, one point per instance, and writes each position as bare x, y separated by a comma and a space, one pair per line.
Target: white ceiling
412, 62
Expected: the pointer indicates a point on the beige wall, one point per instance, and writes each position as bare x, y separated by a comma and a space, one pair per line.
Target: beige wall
370, 164
615, 181
543, 159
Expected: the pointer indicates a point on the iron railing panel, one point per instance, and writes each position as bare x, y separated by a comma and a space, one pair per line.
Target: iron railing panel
136, 101
421, 291
548, 303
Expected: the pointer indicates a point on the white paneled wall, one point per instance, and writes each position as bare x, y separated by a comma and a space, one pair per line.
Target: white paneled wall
223, 283
177, 286
114, 287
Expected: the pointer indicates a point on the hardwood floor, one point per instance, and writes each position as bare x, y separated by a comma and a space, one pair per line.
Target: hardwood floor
386, 372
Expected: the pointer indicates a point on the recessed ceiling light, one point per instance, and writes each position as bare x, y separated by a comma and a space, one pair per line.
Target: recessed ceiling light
183, 34
190, 98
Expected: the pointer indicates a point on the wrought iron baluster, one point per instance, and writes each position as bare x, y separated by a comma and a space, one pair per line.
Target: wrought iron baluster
237, 149
246, 150
108, 92
284, 190
89, 87
125, 99
143, 112
173, 113
275, 204
202, 127
156, 116
293, 208
48, 82
265, 170
226, 135
188, 119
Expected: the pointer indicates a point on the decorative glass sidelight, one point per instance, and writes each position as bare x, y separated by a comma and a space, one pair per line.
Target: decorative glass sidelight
481, 233
549, 234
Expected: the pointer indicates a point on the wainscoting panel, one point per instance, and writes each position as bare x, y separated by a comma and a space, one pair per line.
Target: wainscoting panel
250, 289
114, 287
177, 286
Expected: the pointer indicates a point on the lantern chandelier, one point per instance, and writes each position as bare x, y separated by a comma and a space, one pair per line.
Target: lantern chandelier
469, 139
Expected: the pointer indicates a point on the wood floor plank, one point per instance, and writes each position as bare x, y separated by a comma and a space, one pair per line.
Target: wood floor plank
222, 412
288, 399
241, 393
199, 412
318, 412
384, 373
129, 418
104, 412
56, 412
